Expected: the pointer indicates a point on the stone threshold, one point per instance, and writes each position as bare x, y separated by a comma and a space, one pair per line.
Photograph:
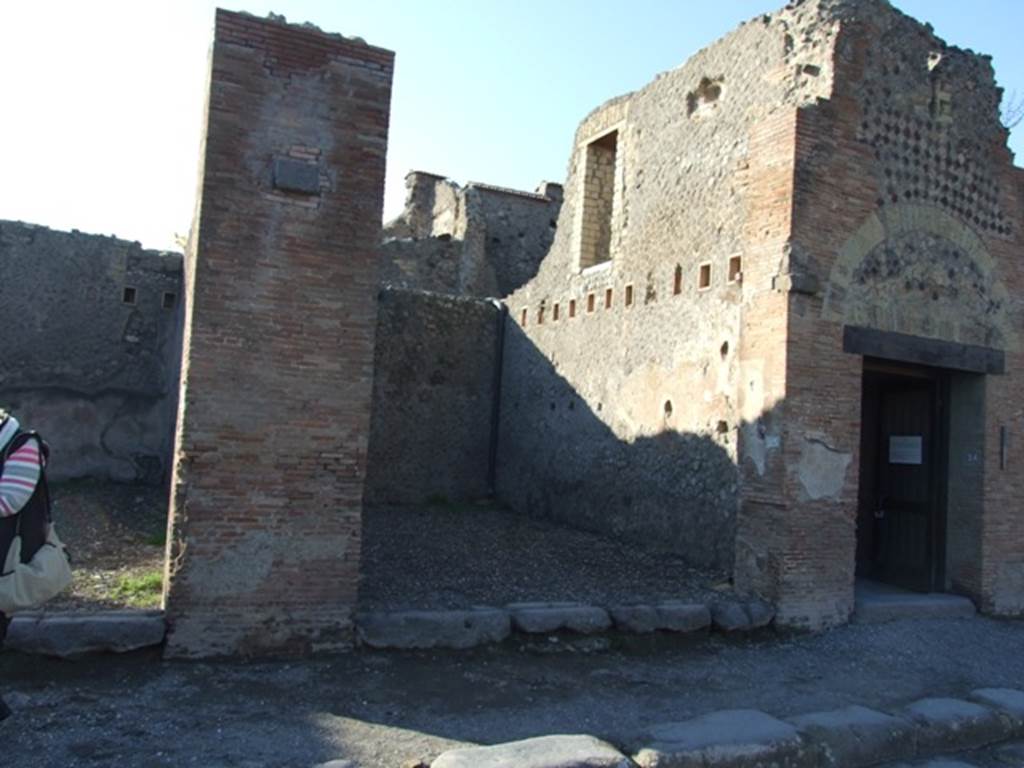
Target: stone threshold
482, 625
851, 737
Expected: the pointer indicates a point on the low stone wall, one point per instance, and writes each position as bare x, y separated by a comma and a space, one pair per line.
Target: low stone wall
92, 346
433, 397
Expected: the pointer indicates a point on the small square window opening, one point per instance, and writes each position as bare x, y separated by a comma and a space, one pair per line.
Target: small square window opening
735, 269
704, 276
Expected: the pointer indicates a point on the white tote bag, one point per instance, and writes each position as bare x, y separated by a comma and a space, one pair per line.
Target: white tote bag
28, 585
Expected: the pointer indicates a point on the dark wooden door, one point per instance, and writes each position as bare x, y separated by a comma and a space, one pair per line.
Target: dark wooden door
905, 484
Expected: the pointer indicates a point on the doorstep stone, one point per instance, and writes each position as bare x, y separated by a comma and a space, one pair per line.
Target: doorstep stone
542, 618
69, 635
949, 725
433, 629
733, 738
856, 736
541, 752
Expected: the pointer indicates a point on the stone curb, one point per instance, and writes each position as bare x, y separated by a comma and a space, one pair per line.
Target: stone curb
69, 635
460, 629
669, 616
541, 618
851, 737
433, 629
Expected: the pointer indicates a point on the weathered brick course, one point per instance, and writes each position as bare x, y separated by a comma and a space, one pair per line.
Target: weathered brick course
276, 387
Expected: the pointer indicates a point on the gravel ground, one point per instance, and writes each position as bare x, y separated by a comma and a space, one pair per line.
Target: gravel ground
454, 557
381, 708
113, 532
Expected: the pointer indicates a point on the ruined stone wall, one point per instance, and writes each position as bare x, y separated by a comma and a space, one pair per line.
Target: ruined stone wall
264, 539
433, 398
92, 343
906, 220
627, 383
477, 240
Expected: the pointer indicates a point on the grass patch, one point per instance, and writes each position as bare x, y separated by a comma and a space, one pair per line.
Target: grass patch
156, 539
141, 591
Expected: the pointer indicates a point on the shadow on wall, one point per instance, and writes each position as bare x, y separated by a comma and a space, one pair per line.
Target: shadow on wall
435, 362
558, 459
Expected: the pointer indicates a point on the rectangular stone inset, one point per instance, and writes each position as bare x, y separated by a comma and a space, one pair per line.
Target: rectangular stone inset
296, 176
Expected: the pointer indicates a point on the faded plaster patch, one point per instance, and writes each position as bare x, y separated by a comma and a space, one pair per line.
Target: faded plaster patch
242, 568
1008, 590
752, 394
754, 446
822, 468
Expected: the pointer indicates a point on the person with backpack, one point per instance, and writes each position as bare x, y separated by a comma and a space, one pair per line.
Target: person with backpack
24, 500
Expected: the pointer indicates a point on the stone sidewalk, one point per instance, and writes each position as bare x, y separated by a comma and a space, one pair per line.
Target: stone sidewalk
379, 709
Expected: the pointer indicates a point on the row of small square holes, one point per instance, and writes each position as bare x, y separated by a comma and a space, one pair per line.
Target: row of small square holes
703, 283
129, 294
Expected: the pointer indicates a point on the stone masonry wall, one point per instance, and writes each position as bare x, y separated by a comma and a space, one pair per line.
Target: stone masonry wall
264, 539
433, 398
92, 345
477, 240
627, 385
905, 219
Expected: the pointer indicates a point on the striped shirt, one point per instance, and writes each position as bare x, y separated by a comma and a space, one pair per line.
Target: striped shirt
20, 474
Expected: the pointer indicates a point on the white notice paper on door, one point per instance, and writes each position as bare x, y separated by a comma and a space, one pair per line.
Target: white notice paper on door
905, 449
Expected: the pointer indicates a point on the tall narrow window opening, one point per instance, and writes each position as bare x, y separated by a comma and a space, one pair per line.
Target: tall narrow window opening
598, 200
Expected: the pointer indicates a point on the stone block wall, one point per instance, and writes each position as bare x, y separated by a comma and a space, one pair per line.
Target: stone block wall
433, 398
478, 240
264, 538
628, 385
92, 344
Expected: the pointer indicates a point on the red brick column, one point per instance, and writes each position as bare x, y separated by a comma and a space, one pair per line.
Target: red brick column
264, 537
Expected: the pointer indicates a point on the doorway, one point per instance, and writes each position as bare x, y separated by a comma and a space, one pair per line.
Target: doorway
902, 498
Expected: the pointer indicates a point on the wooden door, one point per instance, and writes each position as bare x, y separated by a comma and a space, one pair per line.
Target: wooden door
906, 482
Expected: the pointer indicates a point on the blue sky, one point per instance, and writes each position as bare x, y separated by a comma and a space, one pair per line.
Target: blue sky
103, 100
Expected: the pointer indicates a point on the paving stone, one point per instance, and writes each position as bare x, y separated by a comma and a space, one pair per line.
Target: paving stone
1009, 701
857, 736
76, 634
948, 725
540, 618
542, 752
433, 629
734, 738
670, 616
